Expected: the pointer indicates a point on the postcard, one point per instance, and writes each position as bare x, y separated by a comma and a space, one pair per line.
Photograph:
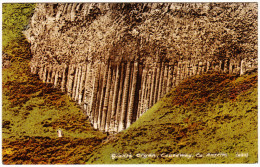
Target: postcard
130, 83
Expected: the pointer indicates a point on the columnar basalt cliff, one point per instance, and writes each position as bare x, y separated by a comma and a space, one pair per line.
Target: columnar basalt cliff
117, 60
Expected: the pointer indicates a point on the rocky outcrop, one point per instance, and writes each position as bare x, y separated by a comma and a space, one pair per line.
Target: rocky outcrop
116, 67
115, 95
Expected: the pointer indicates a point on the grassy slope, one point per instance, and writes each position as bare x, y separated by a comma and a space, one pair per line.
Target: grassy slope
14, 20
32, 111
212, 113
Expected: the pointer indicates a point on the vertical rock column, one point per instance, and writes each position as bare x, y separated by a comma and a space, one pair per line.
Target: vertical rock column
93, 91
120, 97
110, 101
40, 72
70, 79
132, 96
114, 102
93, 112
106, 100
54, 69
44, 73
165, 78
102, 95
169, 79
75, 83
99, 93
160, 83
49, 72
231, 66
153, 82
81, 84
241, 67
86, 92
141, 106
77, 87
149, 82
56, 78
125, 99
64, 77
157, 80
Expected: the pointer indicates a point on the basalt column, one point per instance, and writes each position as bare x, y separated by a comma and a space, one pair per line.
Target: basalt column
106, 100
81, 85
120, 97
132, 96
125, 99
141, 106
114, 101
102, 96
111, 95
116, 69
114, 95
92, 101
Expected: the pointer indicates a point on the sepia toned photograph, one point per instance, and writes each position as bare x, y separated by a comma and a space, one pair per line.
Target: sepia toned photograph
130, 83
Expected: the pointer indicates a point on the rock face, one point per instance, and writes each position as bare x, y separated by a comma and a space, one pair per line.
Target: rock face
117, 60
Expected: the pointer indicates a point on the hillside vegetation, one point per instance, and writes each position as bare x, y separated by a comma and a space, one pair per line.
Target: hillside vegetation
32, 111
15, 19
210, 118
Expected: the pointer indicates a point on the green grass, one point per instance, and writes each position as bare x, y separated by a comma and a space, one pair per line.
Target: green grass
15, 19
31, 108
216, 122
32, 111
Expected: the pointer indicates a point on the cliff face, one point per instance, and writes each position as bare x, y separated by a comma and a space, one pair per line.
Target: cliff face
117, 60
